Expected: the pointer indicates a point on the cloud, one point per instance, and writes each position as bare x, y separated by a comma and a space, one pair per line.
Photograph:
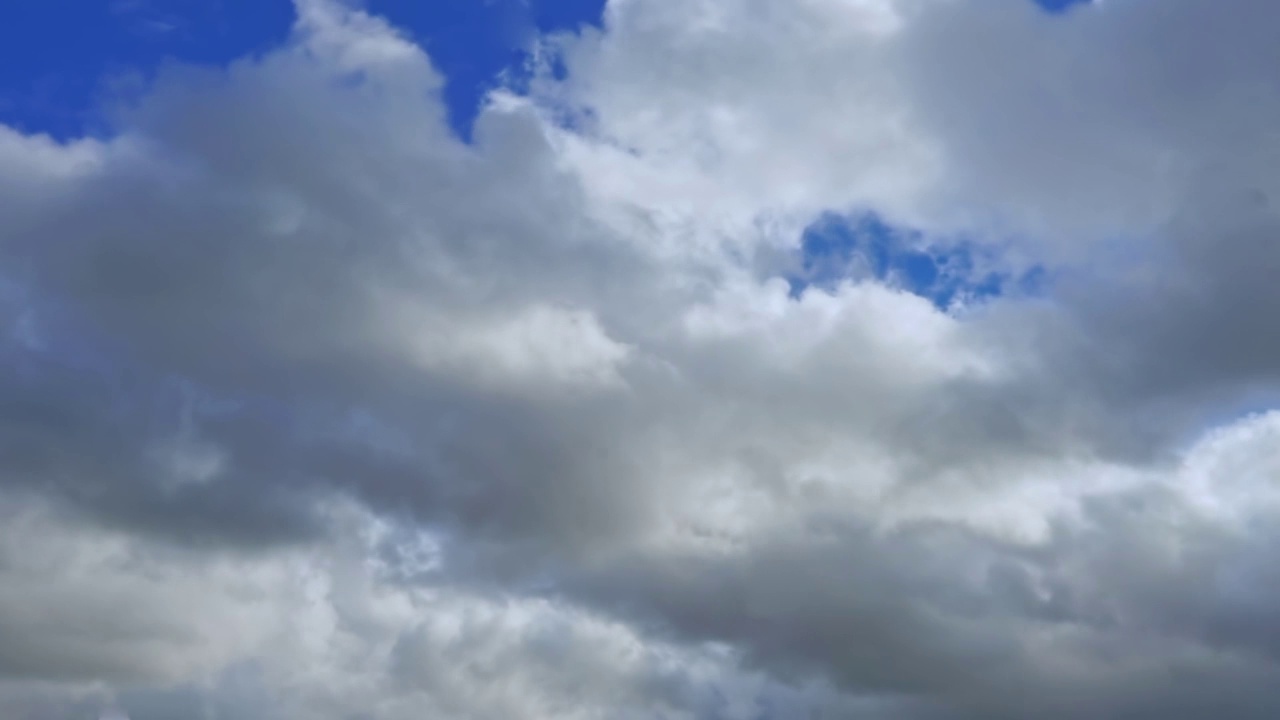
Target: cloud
311, 409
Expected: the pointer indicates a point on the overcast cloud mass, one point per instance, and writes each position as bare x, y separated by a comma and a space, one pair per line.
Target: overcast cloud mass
310, 410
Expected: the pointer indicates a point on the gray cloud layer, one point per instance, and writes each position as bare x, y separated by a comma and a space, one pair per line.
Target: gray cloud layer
310, 410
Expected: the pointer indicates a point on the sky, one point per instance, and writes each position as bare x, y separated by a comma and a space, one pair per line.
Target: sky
711, 360
62, 80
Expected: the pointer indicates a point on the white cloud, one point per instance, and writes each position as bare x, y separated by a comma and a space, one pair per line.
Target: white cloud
531, 428
541, 346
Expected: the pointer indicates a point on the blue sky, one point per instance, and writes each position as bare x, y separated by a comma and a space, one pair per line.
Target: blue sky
838, 247
1060, 5
54, 74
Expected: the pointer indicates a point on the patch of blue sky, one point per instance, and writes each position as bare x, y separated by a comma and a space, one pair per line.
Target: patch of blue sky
59, 59
479, 45
837, 248
1060, 6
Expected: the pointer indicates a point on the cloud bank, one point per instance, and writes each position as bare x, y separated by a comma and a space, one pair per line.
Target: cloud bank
309, 409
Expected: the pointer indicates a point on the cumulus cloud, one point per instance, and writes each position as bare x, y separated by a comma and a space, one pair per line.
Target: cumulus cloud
313, 410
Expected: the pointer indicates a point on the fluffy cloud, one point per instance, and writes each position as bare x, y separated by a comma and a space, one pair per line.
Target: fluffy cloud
312, 410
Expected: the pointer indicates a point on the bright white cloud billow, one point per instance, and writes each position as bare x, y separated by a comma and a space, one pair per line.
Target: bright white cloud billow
311, 410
